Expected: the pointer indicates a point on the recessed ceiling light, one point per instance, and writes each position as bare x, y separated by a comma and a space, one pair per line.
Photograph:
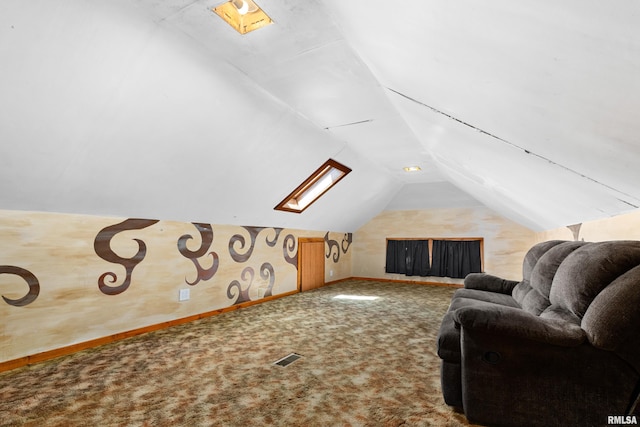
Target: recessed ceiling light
243, 15
412, 168
241, 5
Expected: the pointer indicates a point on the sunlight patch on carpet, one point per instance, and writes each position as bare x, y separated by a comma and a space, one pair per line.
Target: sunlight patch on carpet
356, 297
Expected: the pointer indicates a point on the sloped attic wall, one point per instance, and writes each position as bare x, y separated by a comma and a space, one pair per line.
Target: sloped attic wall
105, 112
529, 106
140, 108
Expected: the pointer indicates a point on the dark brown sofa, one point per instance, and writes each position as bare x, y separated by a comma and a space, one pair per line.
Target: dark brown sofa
560, 347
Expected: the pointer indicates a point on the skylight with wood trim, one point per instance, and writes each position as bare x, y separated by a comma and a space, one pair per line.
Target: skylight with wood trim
325, 177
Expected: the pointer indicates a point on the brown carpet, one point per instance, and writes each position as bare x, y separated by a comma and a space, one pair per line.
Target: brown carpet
364, 363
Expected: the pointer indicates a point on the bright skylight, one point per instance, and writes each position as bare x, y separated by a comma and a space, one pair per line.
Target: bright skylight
313, 187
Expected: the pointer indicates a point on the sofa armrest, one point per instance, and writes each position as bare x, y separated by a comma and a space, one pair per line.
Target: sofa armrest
517, 323
487, 282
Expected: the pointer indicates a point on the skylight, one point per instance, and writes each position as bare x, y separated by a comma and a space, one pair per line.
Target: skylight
243, 15
313, 187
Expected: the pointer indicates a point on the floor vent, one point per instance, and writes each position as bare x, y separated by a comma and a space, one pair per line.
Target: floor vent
287, 360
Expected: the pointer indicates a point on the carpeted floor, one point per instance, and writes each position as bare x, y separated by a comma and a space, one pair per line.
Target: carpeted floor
364, 363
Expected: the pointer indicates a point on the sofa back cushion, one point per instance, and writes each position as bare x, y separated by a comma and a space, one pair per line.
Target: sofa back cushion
588, 270
533, 295
612, 321
534, 254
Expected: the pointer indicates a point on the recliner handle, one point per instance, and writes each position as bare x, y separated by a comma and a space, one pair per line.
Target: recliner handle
491, 357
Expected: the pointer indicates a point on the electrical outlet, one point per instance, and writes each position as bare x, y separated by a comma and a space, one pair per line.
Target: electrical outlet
184, 295
261, 291
330, 273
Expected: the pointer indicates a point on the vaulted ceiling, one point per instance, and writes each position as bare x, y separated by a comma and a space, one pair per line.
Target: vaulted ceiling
159, 109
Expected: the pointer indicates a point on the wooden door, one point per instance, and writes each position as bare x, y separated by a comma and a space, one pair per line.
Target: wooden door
310, 263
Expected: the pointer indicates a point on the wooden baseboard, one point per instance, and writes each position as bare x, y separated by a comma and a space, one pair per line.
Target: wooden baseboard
333, 282
414, 282
63, 351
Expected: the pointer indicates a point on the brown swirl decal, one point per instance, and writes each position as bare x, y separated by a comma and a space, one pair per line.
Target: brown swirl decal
272, 243
333, 244
102, 246
206, 235
267, 273
289, 247
30, 278
253, 234
348, 239
243, 294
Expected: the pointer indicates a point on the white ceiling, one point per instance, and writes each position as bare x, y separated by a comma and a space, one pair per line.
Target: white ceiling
159, 109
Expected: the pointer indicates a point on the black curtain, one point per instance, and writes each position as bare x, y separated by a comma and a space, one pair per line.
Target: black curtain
409, 257
455, 258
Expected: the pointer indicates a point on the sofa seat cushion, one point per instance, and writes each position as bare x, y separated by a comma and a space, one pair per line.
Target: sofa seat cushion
492, 297
502, 322
449, 333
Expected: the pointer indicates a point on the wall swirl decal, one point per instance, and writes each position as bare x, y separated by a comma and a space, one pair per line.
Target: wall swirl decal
272, 243
290, 250
102, 247
267, 272
241, 240
346, 242
30, 278
331, 245
243, 294
206, 236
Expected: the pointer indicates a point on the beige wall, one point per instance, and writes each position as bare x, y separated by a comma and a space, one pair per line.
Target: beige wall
621, 227
505, 242
70, 308
338, 262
